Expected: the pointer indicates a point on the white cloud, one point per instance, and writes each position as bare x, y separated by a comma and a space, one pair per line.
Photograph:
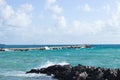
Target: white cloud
6, 12
83, 28
20, 20
25, 8
107, 7
62, 21
118, 5
15, 24
56, 14
56, 9
109, 26
2, 2
20, 17
86, 8
114, 21
50, 1
97, 28
76, 23
77, 28
53, 6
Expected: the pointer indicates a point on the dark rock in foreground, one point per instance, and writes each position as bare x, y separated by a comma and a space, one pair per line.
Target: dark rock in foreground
80, 72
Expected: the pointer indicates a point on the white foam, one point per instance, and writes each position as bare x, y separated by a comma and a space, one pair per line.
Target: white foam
7, 50
47, 48
49, 63
20, 74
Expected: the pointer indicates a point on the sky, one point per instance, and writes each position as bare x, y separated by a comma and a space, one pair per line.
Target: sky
59, 21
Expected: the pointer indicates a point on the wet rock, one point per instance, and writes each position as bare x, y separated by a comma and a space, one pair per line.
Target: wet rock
1, 49
79, 72
110, 74
83, 75
34, 71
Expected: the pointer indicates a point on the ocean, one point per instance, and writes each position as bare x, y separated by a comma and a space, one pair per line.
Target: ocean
14, 64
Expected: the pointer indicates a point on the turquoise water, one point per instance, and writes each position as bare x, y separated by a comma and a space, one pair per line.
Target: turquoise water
13, 65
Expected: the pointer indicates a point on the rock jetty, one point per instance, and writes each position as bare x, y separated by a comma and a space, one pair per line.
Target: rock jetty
1, 49
79, 72
47, 48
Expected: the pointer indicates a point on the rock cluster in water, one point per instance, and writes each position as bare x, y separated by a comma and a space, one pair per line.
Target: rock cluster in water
79, 72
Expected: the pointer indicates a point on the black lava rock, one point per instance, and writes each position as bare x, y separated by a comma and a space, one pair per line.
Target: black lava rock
79, 72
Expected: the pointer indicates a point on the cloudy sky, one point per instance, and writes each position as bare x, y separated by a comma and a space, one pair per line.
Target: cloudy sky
60, 21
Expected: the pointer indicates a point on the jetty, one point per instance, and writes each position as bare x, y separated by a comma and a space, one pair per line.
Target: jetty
46, 48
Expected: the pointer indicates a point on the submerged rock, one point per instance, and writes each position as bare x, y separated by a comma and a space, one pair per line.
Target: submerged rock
79, 72
34, 71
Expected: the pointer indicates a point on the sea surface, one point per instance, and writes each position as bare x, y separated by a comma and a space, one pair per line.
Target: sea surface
14, 64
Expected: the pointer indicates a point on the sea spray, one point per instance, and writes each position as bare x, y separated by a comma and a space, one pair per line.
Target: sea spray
20, 74
49, 63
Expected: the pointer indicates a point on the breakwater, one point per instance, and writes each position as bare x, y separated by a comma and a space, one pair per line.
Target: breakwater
46, 48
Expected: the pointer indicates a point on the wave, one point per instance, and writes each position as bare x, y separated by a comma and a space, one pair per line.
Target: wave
20, 74
49, 63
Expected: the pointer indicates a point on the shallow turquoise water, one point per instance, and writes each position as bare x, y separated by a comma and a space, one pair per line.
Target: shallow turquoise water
13, 65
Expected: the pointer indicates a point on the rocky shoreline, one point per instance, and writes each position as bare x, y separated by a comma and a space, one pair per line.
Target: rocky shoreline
79, 72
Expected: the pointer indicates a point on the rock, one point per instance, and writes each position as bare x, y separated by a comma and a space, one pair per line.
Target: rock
118, 74
79, 72
110, 74
1, 49
34, 71
83, 75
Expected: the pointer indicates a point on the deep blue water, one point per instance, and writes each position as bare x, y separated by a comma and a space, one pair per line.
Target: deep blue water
14, 64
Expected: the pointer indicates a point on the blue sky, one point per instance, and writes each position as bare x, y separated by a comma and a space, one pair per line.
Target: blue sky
60, 21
